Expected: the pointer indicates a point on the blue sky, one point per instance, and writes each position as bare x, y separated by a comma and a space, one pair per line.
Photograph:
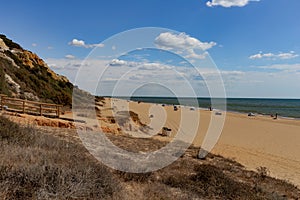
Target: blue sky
255, 44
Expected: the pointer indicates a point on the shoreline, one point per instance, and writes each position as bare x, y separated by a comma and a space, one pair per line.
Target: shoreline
206, 108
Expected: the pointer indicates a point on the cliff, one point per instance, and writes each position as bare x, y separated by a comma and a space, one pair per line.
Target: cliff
24, 75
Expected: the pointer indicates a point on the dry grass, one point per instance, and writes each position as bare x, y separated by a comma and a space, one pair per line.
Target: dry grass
34, 165
49, 164
210, 181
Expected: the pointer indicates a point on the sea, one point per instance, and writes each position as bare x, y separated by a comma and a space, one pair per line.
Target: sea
289, 108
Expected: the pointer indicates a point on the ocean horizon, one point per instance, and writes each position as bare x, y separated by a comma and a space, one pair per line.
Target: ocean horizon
289, 108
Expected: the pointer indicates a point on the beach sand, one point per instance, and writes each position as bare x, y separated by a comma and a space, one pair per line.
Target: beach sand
258, 141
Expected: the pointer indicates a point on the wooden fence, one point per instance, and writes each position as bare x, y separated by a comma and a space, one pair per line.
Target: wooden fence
29, 107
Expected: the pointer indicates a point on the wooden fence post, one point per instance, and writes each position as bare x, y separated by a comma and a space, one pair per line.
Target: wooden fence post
41, 113
58, 110
23, 110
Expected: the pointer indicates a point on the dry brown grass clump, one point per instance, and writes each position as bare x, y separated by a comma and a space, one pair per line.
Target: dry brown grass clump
34, 165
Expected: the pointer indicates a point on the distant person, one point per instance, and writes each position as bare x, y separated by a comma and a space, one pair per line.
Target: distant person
210, 108
276, 115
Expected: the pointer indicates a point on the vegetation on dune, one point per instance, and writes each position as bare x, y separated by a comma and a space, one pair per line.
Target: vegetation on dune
3, 87
34, 165
32, 75
47, 164
210, 181
38, 81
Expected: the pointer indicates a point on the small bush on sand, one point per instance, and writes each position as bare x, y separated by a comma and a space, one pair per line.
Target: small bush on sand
210, 181
263, 172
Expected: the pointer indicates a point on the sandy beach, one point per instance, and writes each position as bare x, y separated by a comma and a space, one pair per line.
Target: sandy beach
258, 141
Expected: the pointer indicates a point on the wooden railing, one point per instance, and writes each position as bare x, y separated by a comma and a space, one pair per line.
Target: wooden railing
29, 107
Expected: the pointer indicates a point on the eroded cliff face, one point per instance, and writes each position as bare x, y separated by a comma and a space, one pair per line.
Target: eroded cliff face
31, 60
24, 75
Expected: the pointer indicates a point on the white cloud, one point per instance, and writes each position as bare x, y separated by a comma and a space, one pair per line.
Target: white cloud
181, 41
282, 56
194, 55
76, 42
117, 62
139, 65
228, 3
81, 43
184, 44
123, 63
289, 55
34, 44
154, 66
291, 68
69, 56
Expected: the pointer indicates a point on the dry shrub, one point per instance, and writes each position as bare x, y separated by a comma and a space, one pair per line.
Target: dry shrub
214, 181
210, 181
35, 165
159, 191
12, 133
137, 177
263, 172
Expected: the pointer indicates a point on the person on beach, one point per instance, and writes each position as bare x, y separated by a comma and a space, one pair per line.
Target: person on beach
274, 116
